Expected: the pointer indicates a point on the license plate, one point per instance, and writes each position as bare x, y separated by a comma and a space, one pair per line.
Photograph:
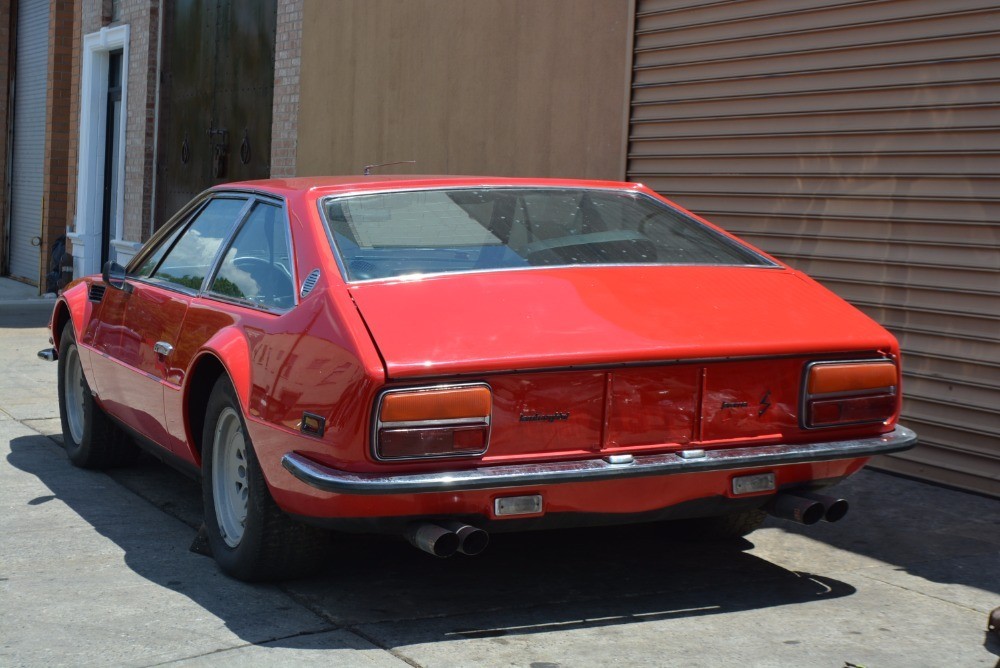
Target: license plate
518, 505
751, 484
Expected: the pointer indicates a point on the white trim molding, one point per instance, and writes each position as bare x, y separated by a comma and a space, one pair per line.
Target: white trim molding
125, 250
86, 234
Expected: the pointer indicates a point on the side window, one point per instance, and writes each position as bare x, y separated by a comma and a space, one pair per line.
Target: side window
190, 259
258, 266
166, 244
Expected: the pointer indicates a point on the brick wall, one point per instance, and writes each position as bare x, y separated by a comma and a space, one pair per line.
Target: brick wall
287, 61
74, 114
56, 213
140, 124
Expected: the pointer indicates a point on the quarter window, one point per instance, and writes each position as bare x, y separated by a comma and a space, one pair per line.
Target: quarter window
147, 267
257, 266
190, 259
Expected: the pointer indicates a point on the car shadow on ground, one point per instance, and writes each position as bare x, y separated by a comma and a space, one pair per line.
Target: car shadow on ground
938, 534
534, 582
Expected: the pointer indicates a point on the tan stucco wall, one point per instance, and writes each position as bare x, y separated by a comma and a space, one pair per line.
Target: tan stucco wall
520, 87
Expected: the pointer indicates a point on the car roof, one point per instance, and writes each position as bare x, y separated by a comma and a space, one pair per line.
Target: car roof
324, 185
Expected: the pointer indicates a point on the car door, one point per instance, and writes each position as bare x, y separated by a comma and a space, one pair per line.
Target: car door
253, 285
155, 307
105, 331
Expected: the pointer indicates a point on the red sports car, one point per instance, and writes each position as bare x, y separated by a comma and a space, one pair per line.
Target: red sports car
442, 357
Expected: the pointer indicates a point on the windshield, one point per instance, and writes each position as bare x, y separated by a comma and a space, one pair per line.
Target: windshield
439, 231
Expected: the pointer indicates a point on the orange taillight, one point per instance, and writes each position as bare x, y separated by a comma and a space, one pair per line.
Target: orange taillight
846, 393
444, 404
851, 376
442, 421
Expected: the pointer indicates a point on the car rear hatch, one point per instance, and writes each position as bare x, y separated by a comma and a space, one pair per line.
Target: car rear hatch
619, 358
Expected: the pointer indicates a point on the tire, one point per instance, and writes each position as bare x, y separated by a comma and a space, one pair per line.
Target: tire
250, 537
90, 438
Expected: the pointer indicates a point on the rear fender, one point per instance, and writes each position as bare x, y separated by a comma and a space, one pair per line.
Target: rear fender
229, 346
227, 353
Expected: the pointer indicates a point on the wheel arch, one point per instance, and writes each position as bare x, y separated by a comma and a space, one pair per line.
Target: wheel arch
60, 316
227, 355
71, 306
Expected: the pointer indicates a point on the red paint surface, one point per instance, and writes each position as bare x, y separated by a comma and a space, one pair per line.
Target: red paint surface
540, 318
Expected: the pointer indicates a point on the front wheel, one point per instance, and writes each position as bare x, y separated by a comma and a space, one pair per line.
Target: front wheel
250, 537
91, 440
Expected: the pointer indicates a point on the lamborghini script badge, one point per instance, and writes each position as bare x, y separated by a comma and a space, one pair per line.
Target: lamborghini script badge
765, 403
543, 417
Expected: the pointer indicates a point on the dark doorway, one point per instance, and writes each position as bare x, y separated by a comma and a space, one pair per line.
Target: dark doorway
215, 97
112, 145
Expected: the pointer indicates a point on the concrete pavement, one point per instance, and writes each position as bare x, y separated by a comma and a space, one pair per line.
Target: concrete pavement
21, 306
95, 570
16, 290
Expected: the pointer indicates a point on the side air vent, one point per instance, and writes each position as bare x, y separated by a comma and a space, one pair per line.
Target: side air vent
311, 280
97, 293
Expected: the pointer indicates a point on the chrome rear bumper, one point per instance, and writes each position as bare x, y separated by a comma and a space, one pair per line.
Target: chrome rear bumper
590, 470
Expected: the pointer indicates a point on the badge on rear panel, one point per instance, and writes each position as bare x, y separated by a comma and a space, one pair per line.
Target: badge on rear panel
751, 484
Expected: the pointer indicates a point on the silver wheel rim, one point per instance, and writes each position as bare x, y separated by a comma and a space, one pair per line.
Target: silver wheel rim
73, 394
229, 477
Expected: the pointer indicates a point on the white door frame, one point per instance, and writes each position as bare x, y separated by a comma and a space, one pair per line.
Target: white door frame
86, 234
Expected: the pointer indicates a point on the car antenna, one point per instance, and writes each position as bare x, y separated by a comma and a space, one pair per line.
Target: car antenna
369, 168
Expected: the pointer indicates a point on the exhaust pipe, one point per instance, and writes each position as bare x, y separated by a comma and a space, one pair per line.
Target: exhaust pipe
433, 539
796, 508
471, 540
835, 507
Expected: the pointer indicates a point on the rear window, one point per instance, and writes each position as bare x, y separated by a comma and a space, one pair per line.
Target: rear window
439, 231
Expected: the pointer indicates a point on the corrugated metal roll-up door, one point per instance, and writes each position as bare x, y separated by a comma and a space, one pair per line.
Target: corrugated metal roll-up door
860, 142
27, 163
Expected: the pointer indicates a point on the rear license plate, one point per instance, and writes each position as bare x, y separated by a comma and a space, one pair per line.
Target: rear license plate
750, 484
518, 505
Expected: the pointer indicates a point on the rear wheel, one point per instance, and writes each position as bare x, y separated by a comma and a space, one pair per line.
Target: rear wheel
90, 438
250, 537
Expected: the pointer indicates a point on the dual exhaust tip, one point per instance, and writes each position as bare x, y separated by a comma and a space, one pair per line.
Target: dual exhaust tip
443, 539
808, 507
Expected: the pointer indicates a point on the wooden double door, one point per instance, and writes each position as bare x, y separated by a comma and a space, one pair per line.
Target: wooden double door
217, 89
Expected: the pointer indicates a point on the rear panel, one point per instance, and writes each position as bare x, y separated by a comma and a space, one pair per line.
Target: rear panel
653, 408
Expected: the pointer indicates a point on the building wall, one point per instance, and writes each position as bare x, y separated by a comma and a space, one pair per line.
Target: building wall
285, 108
6, 65
139, 116
860, 143
59, 132
73, 143
513, 88
143, 19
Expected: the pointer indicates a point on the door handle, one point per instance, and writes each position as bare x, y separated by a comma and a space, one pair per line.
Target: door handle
162, 348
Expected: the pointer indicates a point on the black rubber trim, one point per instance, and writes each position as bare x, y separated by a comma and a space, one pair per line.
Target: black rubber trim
590, 470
